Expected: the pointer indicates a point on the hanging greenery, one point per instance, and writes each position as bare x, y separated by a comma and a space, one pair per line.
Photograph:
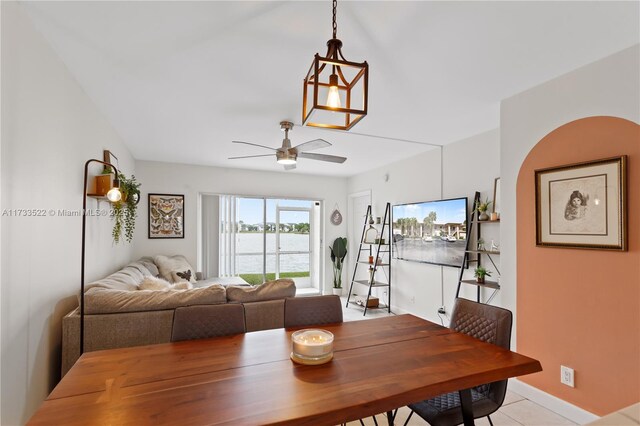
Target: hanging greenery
124, 216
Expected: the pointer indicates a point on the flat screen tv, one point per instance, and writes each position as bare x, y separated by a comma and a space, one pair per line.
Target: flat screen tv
431, 231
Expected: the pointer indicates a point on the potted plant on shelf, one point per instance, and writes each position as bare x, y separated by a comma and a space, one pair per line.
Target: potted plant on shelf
480, 272
338, 253
124, 211
482, 208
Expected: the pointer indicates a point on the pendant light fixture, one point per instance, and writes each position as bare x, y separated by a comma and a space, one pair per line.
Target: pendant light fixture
335, 90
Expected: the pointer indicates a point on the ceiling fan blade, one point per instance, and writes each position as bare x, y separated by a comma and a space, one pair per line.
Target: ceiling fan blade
254, 144
289, 166
311, 145
322, 157
251, 156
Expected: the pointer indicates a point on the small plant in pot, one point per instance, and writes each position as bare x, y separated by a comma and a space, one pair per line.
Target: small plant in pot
482, 207
338, 254
124, 211
480, 272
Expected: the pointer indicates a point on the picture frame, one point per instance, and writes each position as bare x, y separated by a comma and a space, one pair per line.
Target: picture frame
166, 216
496, 196
583, 205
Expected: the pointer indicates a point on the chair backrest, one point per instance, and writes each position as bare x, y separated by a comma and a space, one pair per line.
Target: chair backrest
490, 324
312, 310
202, 321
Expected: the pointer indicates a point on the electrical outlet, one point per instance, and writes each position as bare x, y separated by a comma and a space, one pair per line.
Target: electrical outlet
413, 299
566, 376
441, 310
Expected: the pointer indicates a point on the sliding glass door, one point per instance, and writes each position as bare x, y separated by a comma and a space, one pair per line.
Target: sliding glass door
262, 239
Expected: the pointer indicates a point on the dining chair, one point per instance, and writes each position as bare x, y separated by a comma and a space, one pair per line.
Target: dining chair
312, 310
202, 321
490, 324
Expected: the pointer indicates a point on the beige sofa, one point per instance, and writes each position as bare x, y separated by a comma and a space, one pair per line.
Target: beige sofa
118, 314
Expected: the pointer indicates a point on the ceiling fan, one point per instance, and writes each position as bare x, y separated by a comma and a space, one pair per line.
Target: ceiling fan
288, 156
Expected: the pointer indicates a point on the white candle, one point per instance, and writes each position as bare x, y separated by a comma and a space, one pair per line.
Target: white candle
312, 343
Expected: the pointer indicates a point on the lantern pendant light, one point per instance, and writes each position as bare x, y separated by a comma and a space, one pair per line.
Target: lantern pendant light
335, 90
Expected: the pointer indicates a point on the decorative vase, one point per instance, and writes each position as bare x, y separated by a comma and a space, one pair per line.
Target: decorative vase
337, 291
483, 216
480, 280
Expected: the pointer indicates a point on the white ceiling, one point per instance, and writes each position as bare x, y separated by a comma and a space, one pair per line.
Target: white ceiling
180, 80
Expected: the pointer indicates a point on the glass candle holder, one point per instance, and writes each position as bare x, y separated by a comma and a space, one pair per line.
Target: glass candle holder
311, 346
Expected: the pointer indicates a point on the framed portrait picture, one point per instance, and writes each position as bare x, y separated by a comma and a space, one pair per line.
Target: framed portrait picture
166, 216
583, 205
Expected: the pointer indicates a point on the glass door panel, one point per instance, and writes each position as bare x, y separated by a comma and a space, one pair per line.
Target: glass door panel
250, 239
293, 245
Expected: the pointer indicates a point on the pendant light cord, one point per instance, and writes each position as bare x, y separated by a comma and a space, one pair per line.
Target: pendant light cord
335, 24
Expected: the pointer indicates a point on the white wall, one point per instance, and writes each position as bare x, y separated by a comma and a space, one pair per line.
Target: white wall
469, 165
49, 129
609, 87
190, 180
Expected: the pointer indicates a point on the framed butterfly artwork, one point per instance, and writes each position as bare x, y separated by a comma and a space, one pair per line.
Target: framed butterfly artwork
166, 216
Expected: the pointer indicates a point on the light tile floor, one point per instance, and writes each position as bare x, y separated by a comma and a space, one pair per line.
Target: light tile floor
515, 411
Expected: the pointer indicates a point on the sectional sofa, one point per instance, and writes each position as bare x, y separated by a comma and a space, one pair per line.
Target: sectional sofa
118, 314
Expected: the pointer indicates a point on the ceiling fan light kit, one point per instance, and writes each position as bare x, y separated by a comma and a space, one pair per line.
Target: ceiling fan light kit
288, 156
335, 90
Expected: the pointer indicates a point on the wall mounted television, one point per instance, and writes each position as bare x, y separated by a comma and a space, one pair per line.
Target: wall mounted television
431, 231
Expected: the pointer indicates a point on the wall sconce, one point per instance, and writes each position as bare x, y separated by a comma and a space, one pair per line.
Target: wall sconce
113, 195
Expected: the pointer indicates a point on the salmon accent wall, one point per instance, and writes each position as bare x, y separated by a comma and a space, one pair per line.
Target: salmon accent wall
581, 308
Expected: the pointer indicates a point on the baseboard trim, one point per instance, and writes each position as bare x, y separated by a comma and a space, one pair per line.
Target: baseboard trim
397, 310
553, 403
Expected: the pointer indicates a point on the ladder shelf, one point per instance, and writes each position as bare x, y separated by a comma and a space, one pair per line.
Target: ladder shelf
477, 256
379, 260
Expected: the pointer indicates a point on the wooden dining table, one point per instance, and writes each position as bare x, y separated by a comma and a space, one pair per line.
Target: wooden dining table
378, 365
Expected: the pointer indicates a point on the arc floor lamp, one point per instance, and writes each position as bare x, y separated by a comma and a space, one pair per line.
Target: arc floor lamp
113, 195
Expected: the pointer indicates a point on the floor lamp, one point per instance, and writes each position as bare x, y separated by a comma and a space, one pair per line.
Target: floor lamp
113, 196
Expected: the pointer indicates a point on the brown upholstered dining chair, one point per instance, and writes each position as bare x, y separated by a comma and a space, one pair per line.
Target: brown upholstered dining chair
312, 310
202, 321
489, 324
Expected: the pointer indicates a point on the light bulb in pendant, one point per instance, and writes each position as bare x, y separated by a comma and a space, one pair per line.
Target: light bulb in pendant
114, 195
333, 99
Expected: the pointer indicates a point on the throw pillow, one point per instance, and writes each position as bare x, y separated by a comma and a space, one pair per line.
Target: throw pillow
181, 275
168, 264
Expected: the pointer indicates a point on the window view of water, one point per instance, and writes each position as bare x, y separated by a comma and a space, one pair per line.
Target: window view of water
256, 219
250, 248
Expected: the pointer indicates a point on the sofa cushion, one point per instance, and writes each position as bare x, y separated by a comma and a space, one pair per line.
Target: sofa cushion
270, 290
178, 263
126, 278
105, 300
225, 281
